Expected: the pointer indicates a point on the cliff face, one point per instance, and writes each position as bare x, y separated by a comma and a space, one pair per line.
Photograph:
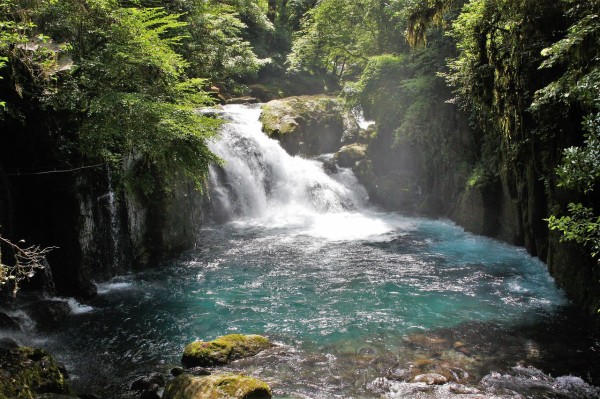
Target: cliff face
98, 230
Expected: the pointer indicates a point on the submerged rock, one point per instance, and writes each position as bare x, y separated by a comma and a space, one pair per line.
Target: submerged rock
217, 386
431, 379
223, 350
29, 372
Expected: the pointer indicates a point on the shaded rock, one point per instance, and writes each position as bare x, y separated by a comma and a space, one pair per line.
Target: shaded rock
29, 372
350, 154
8, 323
55, 396
217, 386
430, 379
223, 350
8, 344
150, 395
88, 396
242, 100
141, 384
158, 379
87, 292
308, 125
49, 314
175, 371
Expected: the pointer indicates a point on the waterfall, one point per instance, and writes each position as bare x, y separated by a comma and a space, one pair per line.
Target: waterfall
115, 225
261, 181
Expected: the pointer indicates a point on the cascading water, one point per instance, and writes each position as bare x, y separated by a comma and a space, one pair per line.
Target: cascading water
260, 180
359, 301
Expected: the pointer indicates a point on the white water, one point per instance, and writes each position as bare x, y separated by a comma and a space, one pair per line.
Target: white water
262, 185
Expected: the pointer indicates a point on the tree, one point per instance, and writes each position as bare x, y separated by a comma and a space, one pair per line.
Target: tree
339, 36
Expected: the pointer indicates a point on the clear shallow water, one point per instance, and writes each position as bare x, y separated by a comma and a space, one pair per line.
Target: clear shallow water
355, 298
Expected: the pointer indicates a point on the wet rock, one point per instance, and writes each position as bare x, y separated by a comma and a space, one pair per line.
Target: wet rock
217, 386
223, 350
350, 154
431, 379
175, 371
158, 379
88, 396
141, 384
8, 323
55, 396
399, 375
150, 395
463, 389
29, 372
49, 314
199, 371
87, 292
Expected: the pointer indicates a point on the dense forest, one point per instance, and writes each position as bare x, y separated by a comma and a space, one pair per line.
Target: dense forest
486, 112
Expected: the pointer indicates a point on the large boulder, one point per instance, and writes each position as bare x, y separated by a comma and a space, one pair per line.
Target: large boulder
350, 154
223, 350
29, 372
217, 386
308, 125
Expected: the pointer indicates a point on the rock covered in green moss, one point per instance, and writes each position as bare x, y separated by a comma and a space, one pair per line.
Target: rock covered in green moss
29, 372
308, 125
350, 154
217, 386
223, 350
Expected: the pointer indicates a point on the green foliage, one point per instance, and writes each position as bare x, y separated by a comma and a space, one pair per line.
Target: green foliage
122, 76
340, 35
215, 46
580, 169
140, 105
581, 227
577, 57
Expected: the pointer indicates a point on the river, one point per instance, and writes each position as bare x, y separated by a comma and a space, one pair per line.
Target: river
355, 298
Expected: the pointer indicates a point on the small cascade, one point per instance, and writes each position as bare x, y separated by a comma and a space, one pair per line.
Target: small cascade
262, 181
113, 254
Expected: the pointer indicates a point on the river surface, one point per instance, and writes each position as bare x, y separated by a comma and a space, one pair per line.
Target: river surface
358, 300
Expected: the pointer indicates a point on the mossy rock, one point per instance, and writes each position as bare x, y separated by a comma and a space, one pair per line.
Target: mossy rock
217, 386
350, 154
223, 350
30, 372
309, 125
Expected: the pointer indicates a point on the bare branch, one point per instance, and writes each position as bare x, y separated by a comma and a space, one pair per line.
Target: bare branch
25, 262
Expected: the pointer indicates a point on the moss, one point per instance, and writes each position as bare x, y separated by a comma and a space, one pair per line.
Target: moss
27, 372
217, 386
223, 350
316, 121
350, 154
